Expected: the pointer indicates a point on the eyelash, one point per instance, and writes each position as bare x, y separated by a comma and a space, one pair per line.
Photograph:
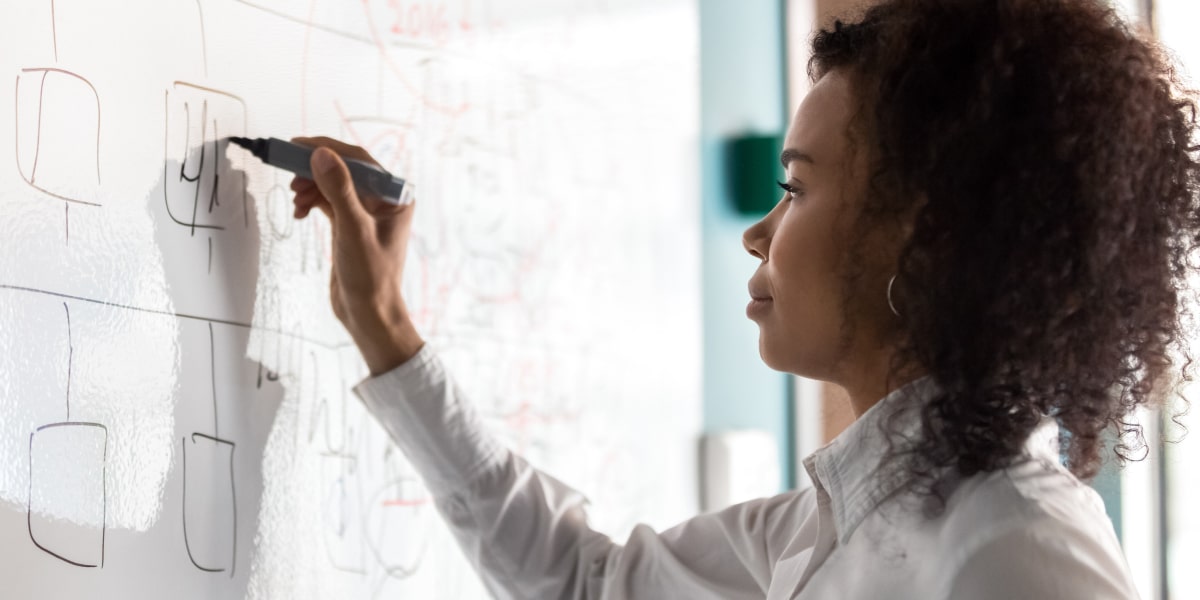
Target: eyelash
792, 191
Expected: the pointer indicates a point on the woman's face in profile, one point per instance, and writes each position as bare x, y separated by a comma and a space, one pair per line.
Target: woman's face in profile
797, 290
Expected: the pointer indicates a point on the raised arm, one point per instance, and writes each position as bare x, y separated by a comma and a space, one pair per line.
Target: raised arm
525, 532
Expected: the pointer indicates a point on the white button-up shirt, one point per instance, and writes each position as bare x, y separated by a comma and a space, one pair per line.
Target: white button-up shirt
1031, 530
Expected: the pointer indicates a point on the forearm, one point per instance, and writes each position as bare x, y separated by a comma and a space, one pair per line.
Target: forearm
384, 333
526, 533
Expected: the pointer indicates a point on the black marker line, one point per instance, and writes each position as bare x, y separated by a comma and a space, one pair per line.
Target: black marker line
245, 127
212, 356
186, 544
213, 200
245, 204
210, 255
70, 359
166, 153
104, 503
187, 155
73, 424
166, 313
232, 490
187, 144
197, 434
214, 197
103, 488
272, 376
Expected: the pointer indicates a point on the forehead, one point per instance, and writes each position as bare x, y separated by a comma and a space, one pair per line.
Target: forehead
819, 126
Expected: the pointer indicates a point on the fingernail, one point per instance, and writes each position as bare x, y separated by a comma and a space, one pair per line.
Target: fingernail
323, 160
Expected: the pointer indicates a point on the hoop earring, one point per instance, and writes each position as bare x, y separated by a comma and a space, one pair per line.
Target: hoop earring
889, 296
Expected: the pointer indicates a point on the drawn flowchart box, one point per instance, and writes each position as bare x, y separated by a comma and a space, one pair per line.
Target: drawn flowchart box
203, 189
209, 503
67, 497
58, 134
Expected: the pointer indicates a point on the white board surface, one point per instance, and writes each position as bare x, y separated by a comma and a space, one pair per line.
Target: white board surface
175, 415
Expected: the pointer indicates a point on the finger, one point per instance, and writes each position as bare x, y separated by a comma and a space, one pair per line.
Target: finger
300, 184
307, 200
397, 226
302, 212
338, 146
325, 208
334, 182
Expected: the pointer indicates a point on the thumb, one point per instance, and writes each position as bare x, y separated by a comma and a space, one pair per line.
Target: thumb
333, 179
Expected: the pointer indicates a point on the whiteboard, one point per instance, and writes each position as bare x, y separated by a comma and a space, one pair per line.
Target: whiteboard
177, 418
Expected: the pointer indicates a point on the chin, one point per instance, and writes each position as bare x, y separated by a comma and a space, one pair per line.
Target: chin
793, 362
770, 357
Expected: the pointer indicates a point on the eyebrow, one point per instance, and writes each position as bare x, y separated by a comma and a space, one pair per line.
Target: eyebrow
792, 154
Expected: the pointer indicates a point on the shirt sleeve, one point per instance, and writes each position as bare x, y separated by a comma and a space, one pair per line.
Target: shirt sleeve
527, 534
1045, 558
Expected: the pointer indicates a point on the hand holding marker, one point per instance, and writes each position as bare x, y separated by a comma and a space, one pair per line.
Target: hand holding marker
371, 215
369, 179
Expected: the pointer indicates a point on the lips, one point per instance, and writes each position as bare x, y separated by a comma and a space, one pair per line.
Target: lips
757, 292
760, 301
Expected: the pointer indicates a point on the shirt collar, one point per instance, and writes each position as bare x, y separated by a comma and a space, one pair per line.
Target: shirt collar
851, 469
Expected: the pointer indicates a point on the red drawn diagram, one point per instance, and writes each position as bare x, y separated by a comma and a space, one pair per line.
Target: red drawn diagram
54, 153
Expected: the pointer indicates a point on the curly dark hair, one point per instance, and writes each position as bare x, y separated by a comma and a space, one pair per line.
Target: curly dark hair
1046, 154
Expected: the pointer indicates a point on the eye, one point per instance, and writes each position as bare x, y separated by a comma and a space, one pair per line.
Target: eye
792, 191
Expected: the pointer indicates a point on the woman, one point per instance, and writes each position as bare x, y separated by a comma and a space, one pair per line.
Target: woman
983, 237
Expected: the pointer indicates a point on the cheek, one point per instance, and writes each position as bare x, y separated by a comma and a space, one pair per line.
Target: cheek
800, 272
807, 289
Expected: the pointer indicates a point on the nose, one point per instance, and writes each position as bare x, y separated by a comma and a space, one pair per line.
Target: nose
757, 240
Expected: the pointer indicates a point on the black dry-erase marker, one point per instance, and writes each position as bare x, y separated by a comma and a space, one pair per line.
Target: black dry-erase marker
367, 177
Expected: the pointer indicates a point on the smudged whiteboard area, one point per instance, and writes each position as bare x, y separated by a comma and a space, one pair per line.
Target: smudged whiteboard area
174, 388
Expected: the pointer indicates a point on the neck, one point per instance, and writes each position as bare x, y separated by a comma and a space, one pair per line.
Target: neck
868, 382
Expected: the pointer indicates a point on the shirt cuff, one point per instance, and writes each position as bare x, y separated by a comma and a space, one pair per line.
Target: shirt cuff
429, 419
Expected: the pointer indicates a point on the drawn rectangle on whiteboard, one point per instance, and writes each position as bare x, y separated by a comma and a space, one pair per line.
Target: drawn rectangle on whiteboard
209, 503
204, 189
67, 503
58, 134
